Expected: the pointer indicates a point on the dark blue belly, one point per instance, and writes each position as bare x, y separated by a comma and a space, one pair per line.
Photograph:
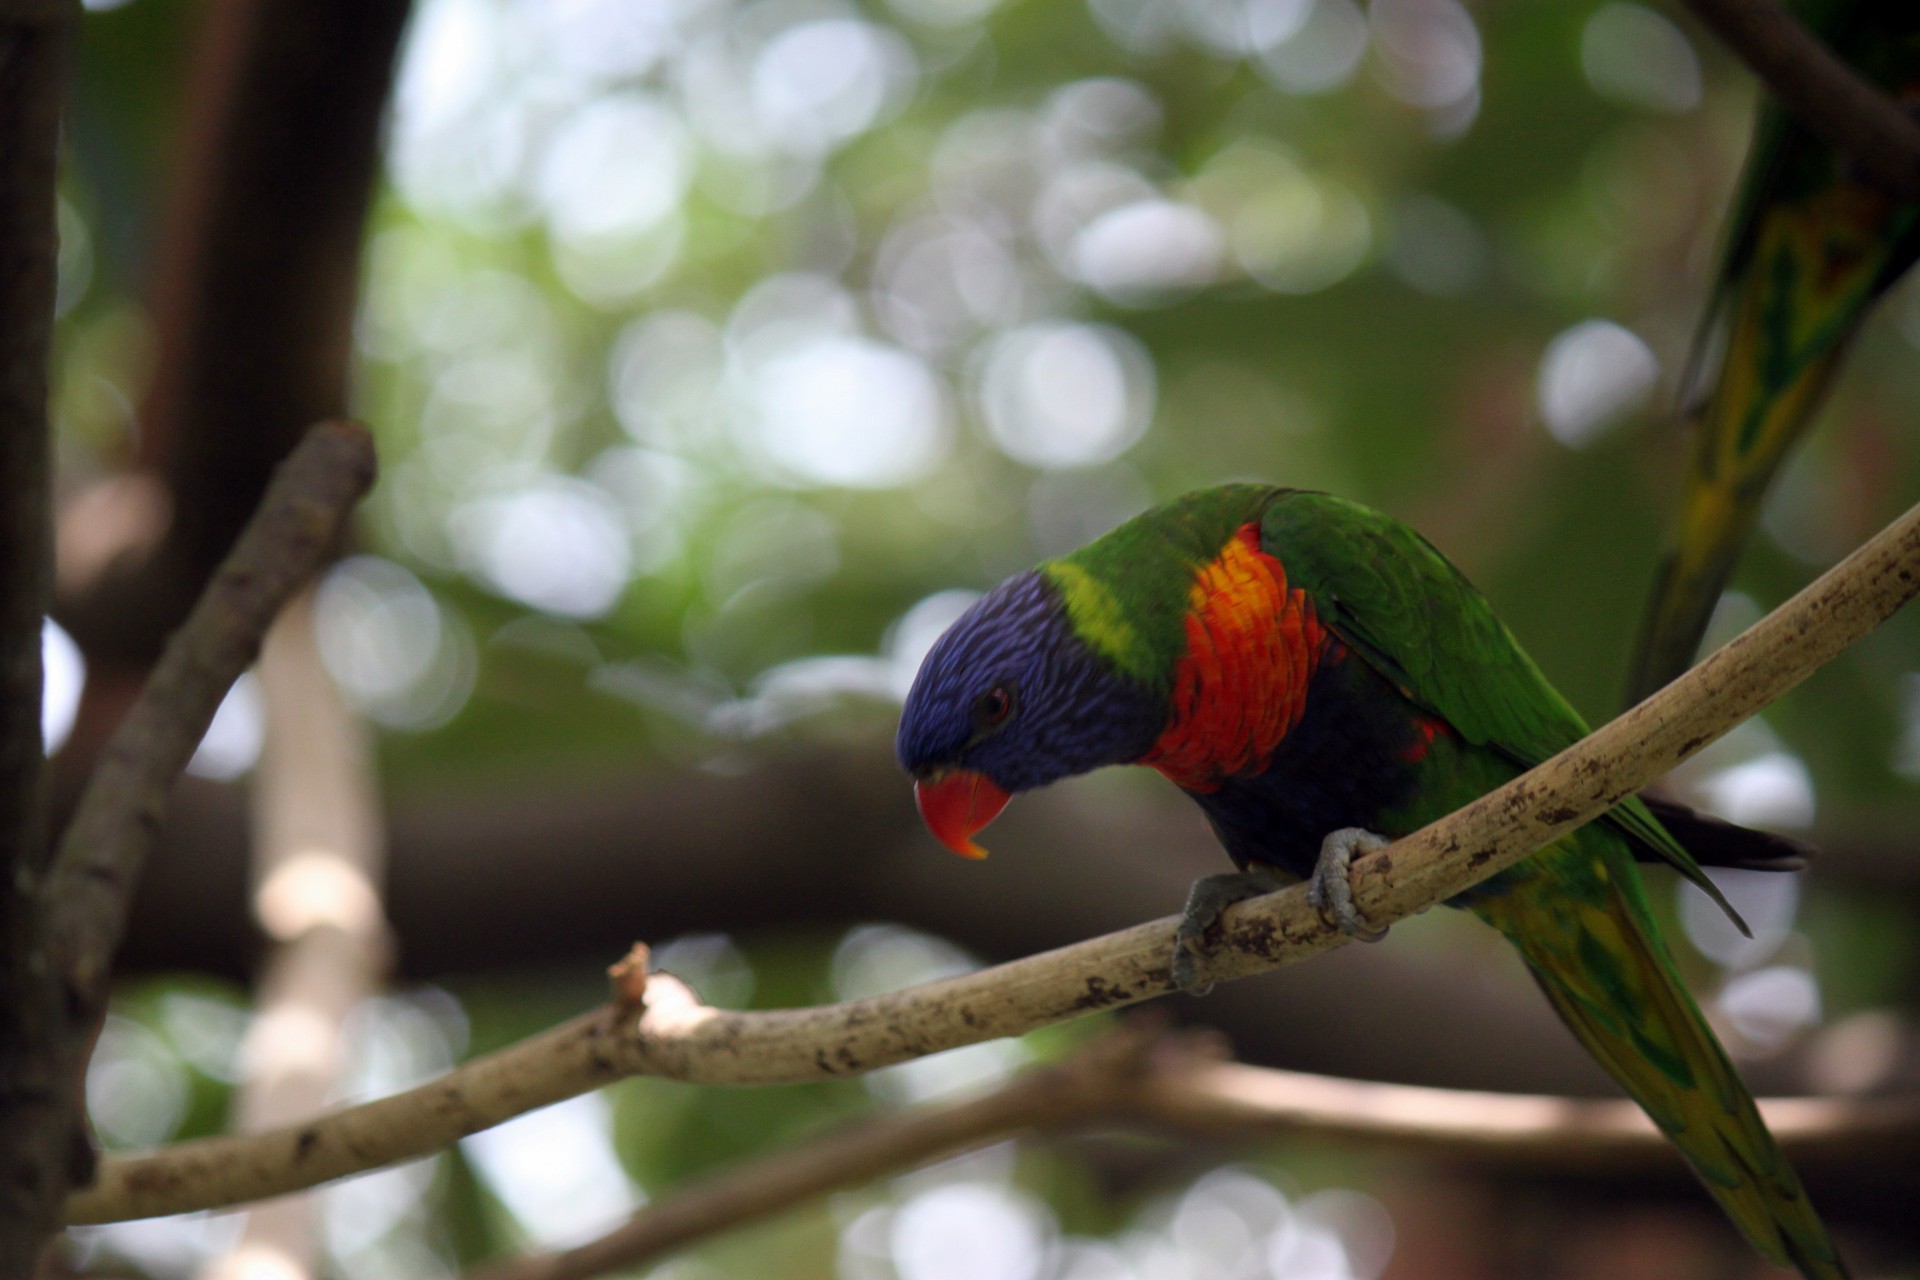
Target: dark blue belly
1351, 759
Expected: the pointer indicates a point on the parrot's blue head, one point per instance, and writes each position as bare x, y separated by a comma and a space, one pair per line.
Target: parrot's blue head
1011, 698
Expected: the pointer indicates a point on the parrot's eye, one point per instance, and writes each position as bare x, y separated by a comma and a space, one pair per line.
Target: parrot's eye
993, 706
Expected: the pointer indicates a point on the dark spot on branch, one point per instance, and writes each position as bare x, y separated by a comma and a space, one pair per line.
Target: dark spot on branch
304, 1144
1261, 937
1100, 994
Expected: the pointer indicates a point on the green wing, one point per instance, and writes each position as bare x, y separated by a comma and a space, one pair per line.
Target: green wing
1400, 604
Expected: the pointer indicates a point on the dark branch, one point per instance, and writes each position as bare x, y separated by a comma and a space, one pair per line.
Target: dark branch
36, 1152
257, 267
1880, 140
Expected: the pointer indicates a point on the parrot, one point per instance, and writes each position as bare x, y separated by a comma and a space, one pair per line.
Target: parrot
1320, 679
1810, 247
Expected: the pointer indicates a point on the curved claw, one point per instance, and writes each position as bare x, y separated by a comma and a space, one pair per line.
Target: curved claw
1331, 888
1209, 897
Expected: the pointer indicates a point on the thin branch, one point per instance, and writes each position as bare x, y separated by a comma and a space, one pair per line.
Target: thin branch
1174, 1084
81, 904
1851, 115
299, 523
681, 1039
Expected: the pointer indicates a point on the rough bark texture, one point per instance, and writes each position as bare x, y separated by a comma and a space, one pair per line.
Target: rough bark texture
37, 1138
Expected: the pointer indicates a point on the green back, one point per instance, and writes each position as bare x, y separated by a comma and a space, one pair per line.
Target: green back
1400, 604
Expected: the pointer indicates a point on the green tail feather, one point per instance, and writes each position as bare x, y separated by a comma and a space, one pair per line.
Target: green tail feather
1743, 437
1578, 916
1679, 608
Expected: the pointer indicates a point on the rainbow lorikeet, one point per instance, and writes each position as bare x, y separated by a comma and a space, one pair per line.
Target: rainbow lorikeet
1316, 676
1811, 246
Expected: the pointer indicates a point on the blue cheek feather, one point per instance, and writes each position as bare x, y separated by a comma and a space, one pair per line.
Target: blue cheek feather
1072, 713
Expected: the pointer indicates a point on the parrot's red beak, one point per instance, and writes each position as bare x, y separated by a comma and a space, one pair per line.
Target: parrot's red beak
955, 803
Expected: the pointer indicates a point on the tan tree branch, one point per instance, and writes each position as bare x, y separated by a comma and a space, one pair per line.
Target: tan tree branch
299, 523
678, 1038
1825, 94
1173, 1083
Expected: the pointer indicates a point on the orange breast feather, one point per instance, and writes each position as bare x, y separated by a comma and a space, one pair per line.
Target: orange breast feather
1252, 647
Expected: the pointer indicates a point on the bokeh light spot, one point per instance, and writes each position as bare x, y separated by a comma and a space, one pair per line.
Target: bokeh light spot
618, 164
1768, 1006
1634, 55
1061, 395
1315, 51
395, 653
969, 1231
556, 1171
849, 411
1591, 377
231, 744
1766, 900
557, 544
1148, 250
819, 83
63, 677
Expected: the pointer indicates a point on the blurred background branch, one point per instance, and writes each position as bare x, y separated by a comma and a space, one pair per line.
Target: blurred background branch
1180, 1087
1879, 138
1091, 1085
252, 291
319, 860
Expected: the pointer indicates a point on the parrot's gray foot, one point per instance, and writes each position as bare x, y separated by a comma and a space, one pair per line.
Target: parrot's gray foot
1331, 888
1210, 896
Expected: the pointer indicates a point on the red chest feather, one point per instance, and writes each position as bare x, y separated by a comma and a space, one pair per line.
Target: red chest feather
1252, 647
